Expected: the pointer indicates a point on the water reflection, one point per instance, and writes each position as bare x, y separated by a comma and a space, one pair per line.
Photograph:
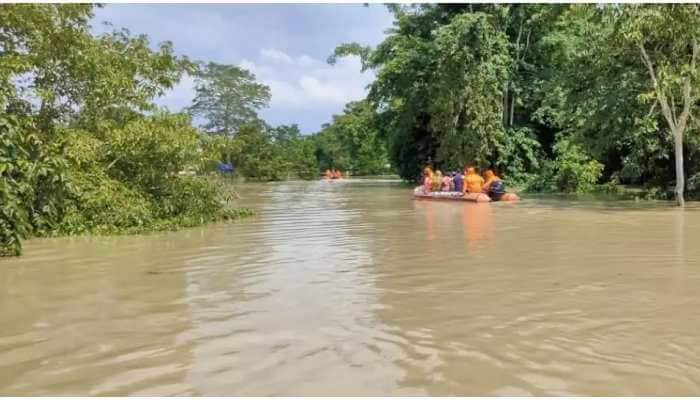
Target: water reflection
558, 302
303, 295
82, 316
354, 288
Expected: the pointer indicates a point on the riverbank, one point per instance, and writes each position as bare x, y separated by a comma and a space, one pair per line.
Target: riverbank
185, 202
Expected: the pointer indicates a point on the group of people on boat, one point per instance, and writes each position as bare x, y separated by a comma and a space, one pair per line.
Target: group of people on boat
332, 174
465, 181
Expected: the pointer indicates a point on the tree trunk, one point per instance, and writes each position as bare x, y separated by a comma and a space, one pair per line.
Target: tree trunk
512, 109
680, 178
677, 124
505, 105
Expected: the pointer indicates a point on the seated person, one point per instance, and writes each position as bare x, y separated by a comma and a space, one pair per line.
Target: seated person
437, 181
427, 180
472, 181
458, 182
493, 185
446, 183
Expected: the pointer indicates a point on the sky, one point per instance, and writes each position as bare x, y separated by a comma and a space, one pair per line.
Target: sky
284, 45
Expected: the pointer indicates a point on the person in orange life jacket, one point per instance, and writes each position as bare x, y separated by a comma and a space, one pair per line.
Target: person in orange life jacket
493, 185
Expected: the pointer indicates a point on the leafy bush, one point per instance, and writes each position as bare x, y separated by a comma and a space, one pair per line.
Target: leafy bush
101, 204
571, 171
694, 186
96, 156
544, 181
353, 142
119, 181
518, 154
146, 151
575, 170
32, 179
127, 179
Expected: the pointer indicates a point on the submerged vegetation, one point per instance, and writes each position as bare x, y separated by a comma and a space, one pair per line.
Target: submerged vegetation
554, 97
82, 147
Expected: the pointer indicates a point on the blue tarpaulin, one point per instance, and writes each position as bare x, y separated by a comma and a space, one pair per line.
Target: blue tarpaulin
225, 168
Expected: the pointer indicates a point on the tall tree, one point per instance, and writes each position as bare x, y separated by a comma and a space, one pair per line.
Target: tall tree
625, 72
60, 89
440, 76
666, 38
227, 97
353, 142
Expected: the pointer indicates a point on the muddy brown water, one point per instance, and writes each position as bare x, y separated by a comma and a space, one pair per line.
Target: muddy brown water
354, 288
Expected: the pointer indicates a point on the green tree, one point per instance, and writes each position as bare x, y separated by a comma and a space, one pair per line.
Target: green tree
227, 97
296, 153
77, 152
353, 142
622, 73
670, 56
466, 106
440, 77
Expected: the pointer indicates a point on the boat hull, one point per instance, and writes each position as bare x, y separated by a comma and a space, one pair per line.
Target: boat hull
419, 194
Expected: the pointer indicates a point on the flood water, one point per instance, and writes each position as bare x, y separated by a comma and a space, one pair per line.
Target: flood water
354, 288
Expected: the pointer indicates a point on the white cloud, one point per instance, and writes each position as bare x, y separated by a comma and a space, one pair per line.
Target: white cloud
248, 65
180, 96
285, 94
287, 52
305, 61
307, 82
276, 55
326, 91
298, 84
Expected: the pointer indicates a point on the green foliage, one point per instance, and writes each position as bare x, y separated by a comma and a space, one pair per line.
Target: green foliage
606, 96
575, 171
227, 97
694, 186
257, 157
353, 142
297, 152
401, 93
439, 87
146, 151
77, 152
466, 107
17, 166
495, 84
519, 155
571, 171
32, 172
100, 204
262, 153
126, 180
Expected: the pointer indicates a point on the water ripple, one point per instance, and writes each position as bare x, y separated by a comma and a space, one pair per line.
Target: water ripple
352, 288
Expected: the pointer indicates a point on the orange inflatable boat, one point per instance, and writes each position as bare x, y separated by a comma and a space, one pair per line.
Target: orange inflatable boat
420, 194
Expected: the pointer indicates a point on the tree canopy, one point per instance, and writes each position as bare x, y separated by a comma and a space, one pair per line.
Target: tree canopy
353, 142
82, 146
555, 97
227, 97
527, 89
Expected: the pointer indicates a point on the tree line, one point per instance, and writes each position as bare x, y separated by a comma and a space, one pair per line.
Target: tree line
556, 97
227, 102
84, 148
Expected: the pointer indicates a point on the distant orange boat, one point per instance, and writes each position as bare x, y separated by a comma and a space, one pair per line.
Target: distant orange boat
330, 175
